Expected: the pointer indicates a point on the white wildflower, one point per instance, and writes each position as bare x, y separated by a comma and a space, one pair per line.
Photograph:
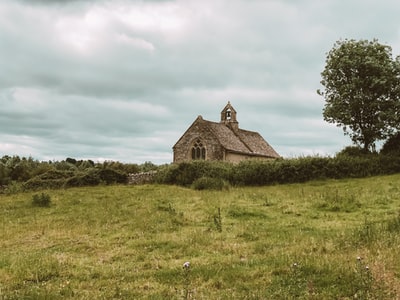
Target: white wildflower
186, 265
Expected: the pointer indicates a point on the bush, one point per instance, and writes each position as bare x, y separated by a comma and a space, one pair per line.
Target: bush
4, 174
186, 173
110, 176
352, 151
392, 146
208, 183
55, 174
82, 180
36, 183
52, 179
41, 200
95, 177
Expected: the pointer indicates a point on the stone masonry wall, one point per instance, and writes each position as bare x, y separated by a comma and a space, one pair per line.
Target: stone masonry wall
182, 150
141, 178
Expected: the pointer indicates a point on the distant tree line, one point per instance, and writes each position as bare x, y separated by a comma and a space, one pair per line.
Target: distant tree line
21, 173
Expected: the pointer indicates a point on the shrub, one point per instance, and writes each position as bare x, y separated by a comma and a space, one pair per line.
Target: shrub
64, 166
352, 151
83, 180
187, 172
253, 172
52, 179
4, 174
166, 174
208, 183
36, 183
55, 174
41, 200
392, 145
110, 176
13, 187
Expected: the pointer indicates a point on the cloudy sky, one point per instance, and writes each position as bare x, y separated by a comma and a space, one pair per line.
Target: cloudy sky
122, 80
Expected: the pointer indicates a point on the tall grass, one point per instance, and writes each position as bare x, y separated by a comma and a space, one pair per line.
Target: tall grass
298, 241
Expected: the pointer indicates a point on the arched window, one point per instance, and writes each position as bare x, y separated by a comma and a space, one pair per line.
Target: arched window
198, 150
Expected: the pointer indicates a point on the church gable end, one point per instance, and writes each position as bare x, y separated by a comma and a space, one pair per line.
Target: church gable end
198, 143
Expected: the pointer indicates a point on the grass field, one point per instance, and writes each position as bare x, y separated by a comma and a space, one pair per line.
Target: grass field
320, 240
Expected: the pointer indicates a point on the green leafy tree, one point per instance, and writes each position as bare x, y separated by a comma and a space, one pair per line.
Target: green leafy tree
361, 81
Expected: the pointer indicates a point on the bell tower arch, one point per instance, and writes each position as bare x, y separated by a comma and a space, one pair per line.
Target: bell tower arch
228, 117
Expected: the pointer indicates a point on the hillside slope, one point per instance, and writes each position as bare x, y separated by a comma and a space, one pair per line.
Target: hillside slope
334, 239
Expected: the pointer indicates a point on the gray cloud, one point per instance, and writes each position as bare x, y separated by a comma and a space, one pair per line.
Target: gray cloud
124, 79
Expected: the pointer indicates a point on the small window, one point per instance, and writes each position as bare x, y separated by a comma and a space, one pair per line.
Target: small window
198, 150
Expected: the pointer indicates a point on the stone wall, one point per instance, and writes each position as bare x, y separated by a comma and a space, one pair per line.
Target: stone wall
141, 178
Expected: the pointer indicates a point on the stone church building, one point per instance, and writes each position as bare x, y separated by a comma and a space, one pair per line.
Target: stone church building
207, 140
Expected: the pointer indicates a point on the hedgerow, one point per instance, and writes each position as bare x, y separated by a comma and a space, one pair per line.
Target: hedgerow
186, 173
349, 163
295, 170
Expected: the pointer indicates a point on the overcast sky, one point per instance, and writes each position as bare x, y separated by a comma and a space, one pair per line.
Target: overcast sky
122, 80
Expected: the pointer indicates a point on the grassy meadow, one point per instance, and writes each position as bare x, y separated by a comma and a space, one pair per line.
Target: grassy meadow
333, 239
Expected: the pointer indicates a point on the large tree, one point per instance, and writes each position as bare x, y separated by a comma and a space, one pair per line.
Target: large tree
361, 81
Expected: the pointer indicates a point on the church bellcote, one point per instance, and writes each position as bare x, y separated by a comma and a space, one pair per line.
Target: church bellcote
228, 117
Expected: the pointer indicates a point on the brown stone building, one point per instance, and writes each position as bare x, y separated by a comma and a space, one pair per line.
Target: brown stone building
221, 141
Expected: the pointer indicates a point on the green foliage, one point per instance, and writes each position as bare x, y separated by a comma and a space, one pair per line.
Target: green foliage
147, 166
347, 164
95, 177
186, 173
41, 200
352, 162
208, 183
352, 151
71, 160
362, 92
85, 179
4, 174
392, 145
65, 166
51, 179
110, 176
13, 188
29, 174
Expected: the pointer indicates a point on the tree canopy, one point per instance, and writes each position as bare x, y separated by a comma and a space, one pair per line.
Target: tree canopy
362, 90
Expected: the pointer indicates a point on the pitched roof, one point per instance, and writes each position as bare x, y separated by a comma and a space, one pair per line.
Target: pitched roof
241, 141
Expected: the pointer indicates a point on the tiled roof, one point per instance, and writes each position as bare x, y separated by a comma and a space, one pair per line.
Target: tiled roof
241, 141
